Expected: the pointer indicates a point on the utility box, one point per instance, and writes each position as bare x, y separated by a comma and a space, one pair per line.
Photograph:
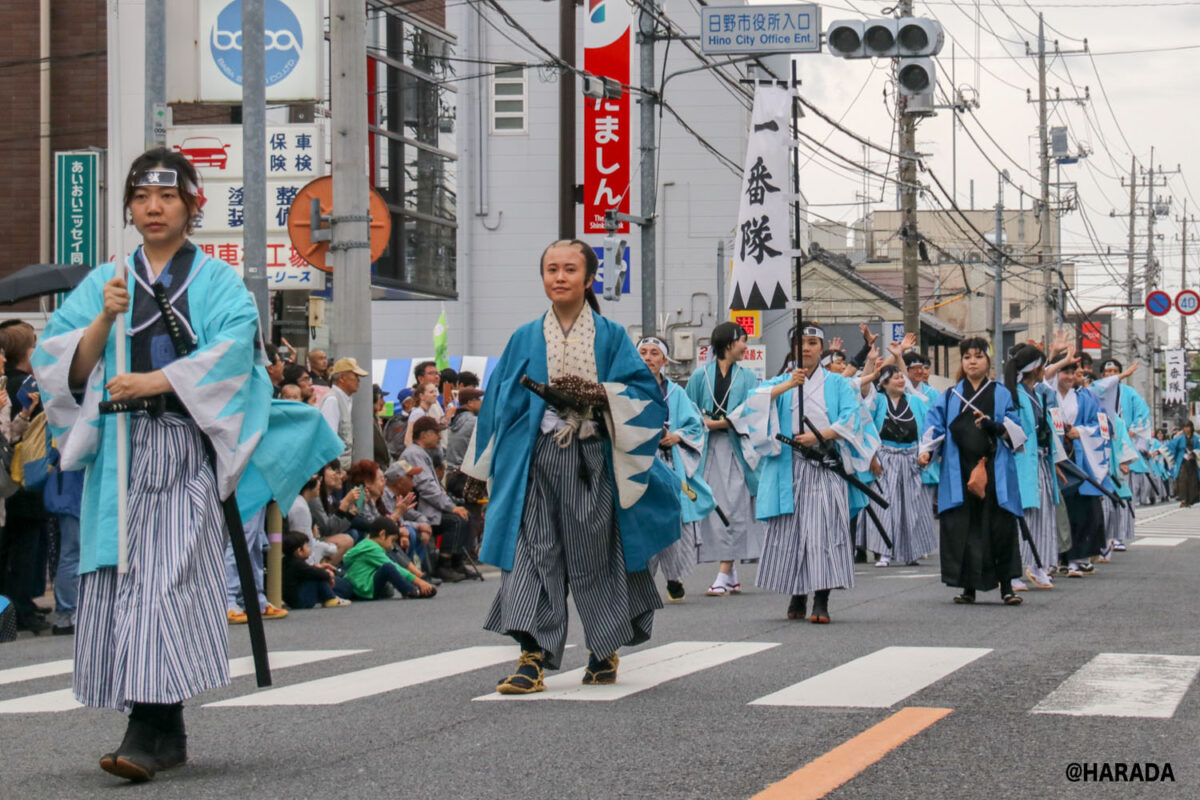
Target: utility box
683, 348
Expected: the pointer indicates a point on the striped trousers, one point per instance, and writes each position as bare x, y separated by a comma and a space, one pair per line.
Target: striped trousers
1118, 522
158, 633
569, 542
1042, 521
808, 550
908, 519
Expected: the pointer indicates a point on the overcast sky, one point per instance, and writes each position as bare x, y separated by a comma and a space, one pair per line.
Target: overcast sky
1151, 94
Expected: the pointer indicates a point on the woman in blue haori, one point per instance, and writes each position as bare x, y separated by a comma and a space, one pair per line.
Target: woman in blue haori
805, 505
150, 638
1185, 452
899, 416
974, 428
578, 498
1124, 403
681, 448
717, 388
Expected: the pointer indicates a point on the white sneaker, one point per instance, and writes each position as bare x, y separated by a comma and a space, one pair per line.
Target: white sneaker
883, 561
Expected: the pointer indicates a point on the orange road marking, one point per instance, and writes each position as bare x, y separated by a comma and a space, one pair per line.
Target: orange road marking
822, 775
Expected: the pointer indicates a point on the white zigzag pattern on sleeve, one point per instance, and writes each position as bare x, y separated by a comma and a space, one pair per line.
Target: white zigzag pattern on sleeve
626, 438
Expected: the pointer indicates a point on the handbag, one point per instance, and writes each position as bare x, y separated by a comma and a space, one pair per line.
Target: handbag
977, 482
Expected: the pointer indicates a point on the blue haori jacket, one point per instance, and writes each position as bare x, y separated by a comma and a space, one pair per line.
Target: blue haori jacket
264, 449
877, 405
760, 418
936, 439
1123, 452
741, 384
687, 456
647, 492
1125, 402
1027, 457
1178, 448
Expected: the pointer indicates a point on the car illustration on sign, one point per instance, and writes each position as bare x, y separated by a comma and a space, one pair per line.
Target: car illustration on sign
204, 151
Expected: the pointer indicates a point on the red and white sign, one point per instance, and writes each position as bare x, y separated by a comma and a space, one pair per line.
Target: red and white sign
1158, 303
1091, 334
1188, 302
754, 359
606, 124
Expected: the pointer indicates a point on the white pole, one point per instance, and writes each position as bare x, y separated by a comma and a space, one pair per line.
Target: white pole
117, 229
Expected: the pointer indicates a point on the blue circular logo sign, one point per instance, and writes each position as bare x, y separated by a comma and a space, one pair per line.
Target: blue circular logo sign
284, 41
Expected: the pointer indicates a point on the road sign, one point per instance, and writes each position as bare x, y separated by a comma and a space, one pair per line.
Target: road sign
761, 29
300, 219
77, 207
1158, 303
1188, 302
893, 332
749, 321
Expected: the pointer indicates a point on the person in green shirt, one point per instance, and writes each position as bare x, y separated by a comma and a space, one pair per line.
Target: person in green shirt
372, 573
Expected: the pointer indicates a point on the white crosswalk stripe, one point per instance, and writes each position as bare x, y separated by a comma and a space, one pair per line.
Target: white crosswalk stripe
32, 672
878, 680
1158, 541
643, 670
1124, 685
64, 700
377, 680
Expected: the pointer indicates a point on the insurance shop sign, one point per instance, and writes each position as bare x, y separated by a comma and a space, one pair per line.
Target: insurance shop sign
77, 207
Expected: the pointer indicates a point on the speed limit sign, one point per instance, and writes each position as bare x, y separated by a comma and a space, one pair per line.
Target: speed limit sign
1188, 302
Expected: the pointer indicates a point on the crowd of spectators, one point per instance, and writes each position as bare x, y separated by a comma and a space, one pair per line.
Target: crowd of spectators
392, 526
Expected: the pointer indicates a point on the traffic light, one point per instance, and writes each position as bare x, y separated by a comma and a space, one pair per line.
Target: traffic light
845, 39
912, 40
614, 266
917, 36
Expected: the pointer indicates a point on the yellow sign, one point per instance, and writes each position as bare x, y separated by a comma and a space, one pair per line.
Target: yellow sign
749, 321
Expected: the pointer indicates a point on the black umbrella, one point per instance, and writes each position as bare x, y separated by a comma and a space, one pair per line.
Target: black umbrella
38, 280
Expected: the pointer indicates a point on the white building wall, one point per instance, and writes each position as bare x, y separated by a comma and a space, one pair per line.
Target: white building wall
498, 282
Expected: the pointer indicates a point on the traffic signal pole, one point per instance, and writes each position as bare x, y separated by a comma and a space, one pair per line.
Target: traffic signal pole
908, 210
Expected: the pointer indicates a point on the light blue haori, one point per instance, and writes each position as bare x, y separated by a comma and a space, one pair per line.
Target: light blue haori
648, 513
1123, 452
760, 418
1030, 408
935, 439
1125, 402
741, 383
919, 403
263, 449
688, 455
1178, 449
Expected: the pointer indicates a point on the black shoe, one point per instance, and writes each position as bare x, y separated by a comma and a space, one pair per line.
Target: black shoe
34, 623
675, 591
137, 756
172, 742
820, 612
448, 573
434, 580
860, 555
798, 607
63, 630
966, 598
601, 670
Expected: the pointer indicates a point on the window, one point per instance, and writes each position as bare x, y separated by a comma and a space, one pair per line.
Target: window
508, 100
881, 247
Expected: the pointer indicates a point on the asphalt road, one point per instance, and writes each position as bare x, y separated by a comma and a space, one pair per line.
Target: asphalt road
418, 729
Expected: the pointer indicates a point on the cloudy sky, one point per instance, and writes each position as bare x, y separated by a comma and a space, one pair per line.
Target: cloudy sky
1150, 92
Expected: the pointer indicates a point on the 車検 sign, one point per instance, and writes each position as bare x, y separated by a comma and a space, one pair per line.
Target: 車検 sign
761, 29
77, 207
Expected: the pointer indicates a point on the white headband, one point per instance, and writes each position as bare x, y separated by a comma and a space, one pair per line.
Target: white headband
813, 330
1031, 366
654, 341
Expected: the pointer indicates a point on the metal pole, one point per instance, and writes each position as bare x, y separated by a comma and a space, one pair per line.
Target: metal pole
254, 159
1060, 306
998, 293
1044, 211
274, 587
646, 22
566, 121
1151, 281
1183, 279
797, 258
908, 209
46, 160
1131, 348
349, 248
156, 66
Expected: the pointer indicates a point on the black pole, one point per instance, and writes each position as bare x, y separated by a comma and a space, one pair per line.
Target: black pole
566, 121
797, 258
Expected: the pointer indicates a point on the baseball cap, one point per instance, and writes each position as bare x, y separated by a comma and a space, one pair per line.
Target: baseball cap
347, 365
399, 468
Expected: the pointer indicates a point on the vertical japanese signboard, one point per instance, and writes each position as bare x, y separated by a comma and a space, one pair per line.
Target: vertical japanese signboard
761, 247
606, 126
294, 157
77, 207
1176, 391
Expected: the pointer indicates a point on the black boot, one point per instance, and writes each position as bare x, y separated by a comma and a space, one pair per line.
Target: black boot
137, 756
172, 742
820, 614
446, 570
798, 608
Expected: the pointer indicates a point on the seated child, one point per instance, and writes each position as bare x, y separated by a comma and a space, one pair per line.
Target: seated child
373, 574
305, 585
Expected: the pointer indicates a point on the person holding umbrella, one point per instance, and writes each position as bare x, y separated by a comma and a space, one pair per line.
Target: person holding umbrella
150, 624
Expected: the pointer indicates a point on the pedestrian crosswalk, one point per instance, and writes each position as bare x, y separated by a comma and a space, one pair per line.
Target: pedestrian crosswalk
1109, 685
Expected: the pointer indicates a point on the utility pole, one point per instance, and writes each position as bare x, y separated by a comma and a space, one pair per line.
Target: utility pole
1131, 346
908, 210
156, 69
998, 351
647, 102
254, 158
1183, 274
566, 120
1153, 177
1046, 232
350, 247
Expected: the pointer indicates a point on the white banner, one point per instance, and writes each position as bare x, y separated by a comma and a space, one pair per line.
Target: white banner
762, 247
1176, 391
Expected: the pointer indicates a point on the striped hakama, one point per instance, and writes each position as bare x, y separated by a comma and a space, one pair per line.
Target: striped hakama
1042, 521
908, 519
743, 537
569, 542
677, 561
808, 550
1118, 522
158, 633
